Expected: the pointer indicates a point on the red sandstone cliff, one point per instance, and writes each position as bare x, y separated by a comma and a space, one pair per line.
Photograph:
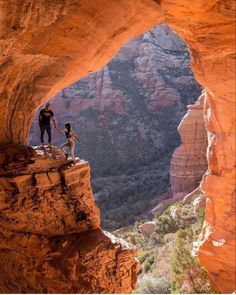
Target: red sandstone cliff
189, 161
50, 237
46, 46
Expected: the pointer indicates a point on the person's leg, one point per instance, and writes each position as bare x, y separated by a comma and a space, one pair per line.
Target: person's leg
63, 146
48, 129
72, 151
42, 131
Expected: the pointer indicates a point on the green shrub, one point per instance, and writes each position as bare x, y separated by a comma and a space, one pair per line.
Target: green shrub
188, 276
156, 239
148, 263
133, 239
152, 285
146, 266
168, 224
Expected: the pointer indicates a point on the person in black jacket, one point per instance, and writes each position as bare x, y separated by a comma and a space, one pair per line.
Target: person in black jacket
44, 119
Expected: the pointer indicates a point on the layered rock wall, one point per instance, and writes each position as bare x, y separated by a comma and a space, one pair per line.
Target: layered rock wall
189, 161
51, 241
46, 46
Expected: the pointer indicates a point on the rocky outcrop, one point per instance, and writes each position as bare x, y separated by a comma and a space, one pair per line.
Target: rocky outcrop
47, 46
189, 163
147, 228
89, 262
51, 241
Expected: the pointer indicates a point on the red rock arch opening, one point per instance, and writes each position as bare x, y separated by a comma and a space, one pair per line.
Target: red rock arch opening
47, 46
127, 116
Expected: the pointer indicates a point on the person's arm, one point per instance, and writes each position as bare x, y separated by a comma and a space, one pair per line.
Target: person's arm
60, 130
54, 121
75, 136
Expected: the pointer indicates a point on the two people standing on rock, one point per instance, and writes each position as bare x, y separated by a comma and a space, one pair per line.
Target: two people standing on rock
44, 119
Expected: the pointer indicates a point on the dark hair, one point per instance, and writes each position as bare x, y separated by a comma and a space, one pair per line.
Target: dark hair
68, 127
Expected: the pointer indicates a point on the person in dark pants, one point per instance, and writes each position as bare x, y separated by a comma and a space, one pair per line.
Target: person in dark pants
45, 117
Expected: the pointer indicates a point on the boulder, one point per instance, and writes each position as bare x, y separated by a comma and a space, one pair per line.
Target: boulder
147, 228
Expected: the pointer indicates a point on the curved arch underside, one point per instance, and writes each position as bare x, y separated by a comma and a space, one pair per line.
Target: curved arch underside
47, 45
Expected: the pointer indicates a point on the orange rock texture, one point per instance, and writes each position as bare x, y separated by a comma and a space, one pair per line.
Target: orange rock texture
47, 45
189, 163
51, 241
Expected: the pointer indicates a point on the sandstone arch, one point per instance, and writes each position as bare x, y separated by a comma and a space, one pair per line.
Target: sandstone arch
47, 45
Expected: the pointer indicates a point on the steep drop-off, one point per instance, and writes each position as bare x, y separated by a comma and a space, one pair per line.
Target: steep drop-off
49, 45
50, 236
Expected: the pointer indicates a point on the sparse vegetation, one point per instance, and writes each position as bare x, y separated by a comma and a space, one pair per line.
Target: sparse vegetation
165, 256
148, 263
188, 275
152, 285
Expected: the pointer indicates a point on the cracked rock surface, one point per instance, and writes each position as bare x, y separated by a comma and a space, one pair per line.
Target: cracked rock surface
50, 240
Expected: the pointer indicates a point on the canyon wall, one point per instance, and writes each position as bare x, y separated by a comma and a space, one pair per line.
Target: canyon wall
189, 162
49, 45
51, 241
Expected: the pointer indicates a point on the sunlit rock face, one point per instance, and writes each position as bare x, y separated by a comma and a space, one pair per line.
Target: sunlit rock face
189, 161
46, 46
50, 240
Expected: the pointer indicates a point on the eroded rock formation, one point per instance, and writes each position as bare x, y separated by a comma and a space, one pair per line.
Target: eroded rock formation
189, 161
46, 46
51, 241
